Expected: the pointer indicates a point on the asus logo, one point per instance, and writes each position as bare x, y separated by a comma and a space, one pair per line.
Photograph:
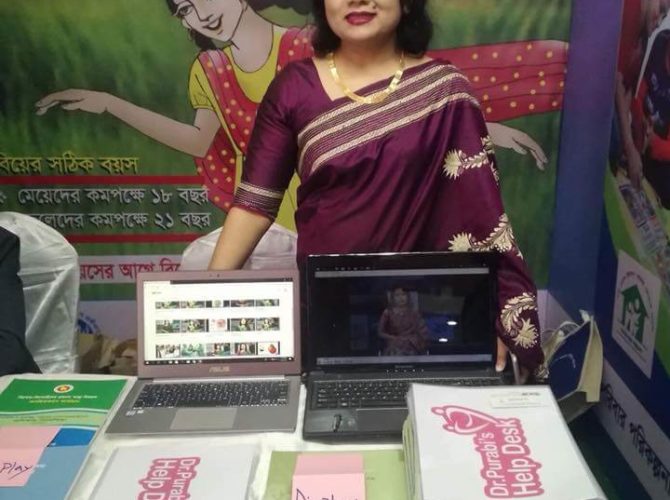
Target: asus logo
219, 369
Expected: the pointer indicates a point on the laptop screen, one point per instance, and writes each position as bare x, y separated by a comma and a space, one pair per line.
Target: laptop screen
218, 321
401, 309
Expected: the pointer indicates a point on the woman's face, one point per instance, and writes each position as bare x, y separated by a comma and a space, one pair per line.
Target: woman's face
400, 297
215, 19
363, 21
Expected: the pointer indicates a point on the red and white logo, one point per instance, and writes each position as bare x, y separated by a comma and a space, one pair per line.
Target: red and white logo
508, 470
169, 479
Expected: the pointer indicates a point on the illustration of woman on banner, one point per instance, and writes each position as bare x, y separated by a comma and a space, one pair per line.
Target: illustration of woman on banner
226, 85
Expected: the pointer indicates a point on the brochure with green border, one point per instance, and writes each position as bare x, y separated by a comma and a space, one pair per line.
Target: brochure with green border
82, 403
384, 474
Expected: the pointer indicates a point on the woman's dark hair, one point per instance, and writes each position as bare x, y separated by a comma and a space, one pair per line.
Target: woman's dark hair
412, 34
205, 43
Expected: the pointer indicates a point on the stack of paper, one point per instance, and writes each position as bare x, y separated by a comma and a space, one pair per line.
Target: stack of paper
46, 427
502, 442
182, 471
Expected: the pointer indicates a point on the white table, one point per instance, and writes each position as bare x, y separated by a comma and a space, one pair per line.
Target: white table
103, 445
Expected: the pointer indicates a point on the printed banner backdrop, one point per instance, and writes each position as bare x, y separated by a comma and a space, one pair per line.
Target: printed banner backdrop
633, 294
99, 105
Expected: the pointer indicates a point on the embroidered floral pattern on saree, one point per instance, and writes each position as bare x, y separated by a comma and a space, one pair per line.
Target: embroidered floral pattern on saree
522, 331
500, 239
456, 162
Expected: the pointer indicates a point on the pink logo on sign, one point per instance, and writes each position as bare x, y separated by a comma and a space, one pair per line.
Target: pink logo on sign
168, 479
508, 469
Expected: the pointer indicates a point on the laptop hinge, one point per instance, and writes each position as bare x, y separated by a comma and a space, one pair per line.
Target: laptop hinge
440, 367
241, 378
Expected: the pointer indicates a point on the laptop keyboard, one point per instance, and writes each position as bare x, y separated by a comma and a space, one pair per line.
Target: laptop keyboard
380, 393
213, 394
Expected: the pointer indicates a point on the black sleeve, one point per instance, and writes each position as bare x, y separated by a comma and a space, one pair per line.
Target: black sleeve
14, 355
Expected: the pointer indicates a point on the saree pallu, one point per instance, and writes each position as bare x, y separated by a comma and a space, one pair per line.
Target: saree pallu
415, 172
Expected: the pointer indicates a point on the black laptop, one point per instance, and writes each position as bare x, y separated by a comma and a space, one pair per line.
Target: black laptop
375, 323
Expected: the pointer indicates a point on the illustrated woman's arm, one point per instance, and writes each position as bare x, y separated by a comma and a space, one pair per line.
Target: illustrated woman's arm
193, 139
517, 140
513, 79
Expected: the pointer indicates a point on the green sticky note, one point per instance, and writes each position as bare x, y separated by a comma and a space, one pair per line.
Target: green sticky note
384, 475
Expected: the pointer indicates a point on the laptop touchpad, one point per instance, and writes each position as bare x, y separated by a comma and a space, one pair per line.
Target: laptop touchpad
203, 419
382, 420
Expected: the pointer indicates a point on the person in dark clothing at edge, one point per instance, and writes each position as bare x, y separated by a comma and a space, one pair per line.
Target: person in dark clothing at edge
14, 355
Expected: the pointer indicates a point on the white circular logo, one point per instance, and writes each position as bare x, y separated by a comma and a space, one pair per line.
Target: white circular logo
63, 388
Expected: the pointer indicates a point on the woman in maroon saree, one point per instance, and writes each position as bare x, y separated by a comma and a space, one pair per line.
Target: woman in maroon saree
401, 326
414, 172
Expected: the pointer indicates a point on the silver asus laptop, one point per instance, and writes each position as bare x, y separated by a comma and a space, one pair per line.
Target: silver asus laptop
218, 352
377, 323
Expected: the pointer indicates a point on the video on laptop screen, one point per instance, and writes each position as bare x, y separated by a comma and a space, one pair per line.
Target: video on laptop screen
214, 322
402, 316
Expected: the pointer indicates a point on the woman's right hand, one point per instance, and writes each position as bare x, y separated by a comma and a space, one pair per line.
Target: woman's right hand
90, 101
501, 362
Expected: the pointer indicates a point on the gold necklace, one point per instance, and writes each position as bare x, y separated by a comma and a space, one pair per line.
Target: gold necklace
373, 98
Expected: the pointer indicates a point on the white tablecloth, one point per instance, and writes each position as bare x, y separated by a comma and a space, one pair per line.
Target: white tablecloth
103, 445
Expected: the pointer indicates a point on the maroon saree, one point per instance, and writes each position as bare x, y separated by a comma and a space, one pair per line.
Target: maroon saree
415, 172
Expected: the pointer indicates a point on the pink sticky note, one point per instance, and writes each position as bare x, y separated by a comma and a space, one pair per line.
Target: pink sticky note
331, 476
20, 451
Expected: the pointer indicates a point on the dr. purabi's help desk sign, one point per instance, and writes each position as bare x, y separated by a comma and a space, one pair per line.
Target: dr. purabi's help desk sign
191, 469
481, 443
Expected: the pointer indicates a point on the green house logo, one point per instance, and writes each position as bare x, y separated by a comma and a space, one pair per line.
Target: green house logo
634, 314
